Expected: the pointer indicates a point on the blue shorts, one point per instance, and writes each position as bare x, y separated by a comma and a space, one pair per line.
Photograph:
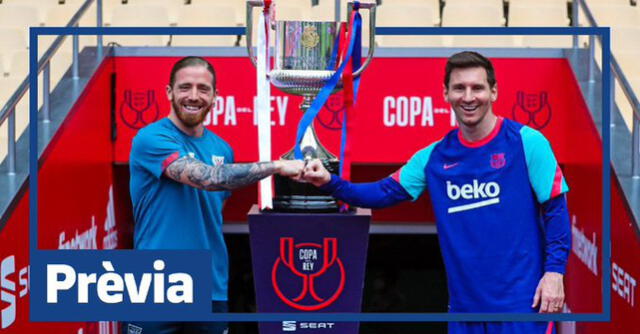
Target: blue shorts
499, 328
140, 327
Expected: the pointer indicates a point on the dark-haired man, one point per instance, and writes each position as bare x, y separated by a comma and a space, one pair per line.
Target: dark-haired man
181, 175
498, 195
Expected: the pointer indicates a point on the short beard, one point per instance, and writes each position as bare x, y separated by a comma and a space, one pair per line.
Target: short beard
190, 120
470, 124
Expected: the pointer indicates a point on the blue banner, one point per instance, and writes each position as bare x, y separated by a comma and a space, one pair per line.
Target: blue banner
305, 263
121, 285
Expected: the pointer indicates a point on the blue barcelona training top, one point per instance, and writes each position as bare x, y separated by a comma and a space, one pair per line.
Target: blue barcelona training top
488, 198
172, 215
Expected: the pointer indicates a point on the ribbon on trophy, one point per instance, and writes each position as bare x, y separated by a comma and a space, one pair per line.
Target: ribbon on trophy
263, 106
351, 55
351, 87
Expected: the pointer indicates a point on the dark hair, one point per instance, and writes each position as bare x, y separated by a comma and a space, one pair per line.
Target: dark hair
468, 59
191, 61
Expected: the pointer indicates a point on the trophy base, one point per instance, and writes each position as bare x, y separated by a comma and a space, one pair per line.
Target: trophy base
296, 197
305, 204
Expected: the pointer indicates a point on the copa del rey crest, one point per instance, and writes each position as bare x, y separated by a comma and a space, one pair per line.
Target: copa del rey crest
300, 265
498, 160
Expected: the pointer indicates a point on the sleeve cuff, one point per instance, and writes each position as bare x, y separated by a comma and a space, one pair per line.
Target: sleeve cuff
332, 185
555, 268
169, 160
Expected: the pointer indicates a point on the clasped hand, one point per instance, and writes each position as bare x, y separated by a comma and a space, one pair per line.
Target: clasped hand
312, 171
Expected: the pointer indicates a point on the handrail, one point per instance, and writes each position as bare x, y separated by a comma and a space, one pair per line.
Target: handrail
617, 71
630, 95
590, 18
44, 60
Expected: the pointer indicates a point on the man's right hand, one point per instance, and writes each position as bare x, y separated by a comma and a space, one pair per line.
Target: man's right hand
316, 174
290, 168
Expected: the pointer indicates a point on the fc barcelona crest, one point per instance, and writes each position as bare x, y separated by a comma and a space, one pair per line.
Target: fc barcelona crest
498, 160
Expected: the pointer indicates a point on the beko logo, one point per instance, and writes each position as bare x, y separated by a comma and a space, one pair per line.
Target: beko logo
10, 291
488, 193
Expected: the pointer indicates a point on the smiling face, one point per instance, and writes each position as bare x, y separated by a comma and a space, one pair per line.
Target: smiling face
192, 95
470, 96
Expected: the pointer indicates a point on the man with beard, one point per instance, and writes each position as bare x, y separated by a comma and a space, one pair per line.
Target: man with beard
181, 175
498, 196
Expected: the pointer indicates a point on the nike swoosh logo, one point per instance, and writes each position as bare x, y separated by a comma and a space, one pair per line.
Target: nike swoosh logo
449, 166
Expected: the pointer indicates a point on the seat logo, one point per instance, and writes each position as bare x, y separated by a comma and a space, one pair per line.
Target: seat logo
295, 272
12, 289
289, 326
8, 314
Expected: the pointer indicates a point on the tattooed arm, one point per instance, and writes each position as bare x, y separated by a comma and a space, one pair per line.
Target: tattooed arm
197, 174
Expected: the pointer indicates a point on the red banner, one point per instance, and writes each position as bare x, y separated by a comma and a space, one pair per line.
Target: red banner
76, 208
83, 201
400, 98
400, 109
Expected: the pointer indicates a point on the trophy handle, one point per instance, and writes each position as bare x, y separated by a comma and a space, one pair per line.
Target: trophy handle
249, 28
371, 6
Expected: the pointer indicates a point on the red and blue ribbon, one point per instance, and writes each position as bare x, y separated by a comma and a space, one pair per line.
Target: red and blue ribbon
351, 87
351, 57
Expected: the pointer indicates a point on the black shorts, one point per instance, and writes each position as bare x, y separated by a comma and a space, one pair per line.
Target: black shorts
500, 328
140, 327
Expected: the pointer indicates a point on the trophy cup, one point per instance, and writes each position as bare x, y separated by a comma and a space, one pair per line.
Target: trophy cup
303, 52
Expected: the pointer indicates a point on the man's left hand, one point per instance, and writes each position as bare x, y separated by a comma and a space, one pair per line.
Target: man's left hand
550, 293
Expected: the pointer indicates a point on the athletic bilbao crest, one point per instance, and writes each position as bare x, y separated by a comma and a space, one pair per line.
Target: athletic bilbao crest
139, 108
498, 160
308, 276
217, 160
533, 110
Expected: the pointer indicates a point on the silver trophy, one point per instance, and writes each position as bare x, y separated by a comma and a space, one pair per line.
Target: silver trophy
302, 54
